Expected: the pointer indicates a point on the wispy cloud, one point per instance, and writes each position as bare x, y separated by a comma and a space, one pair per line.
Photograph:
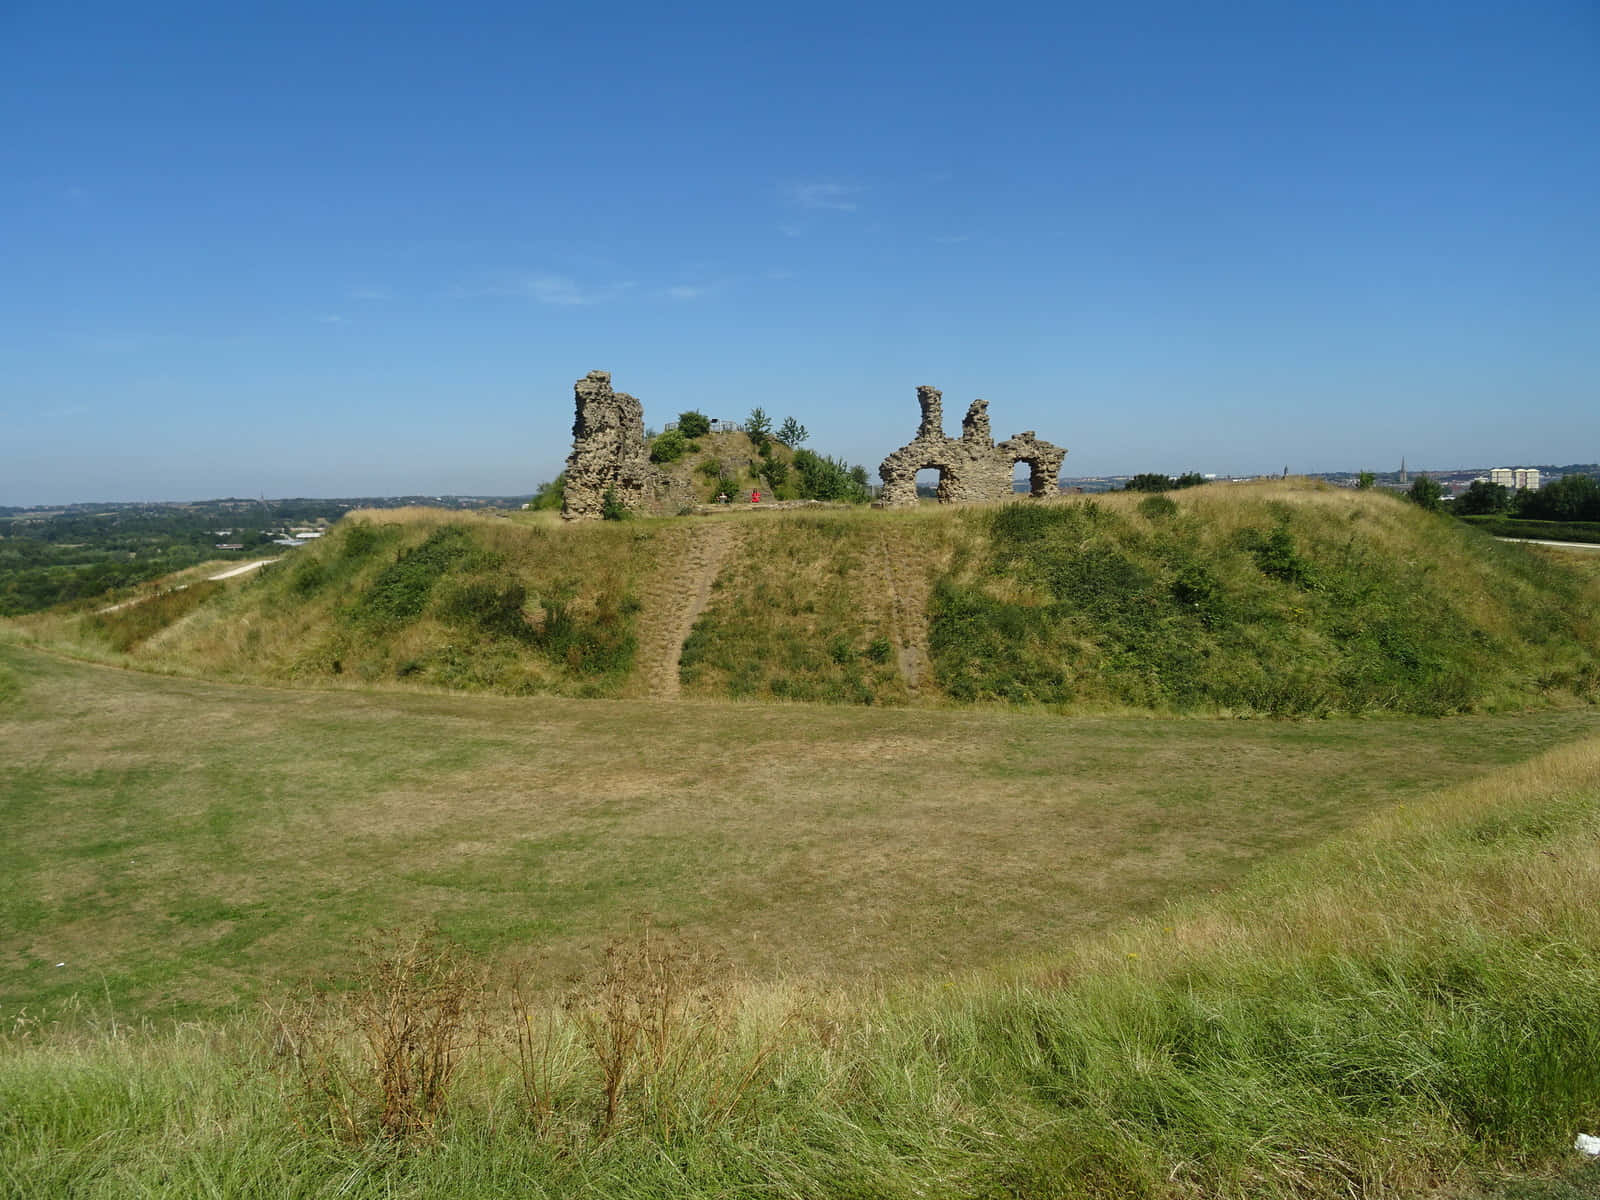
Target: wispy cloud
687, 291
951, 239
548, 288
370, 293
839, 197
558, 289
779, 273
331, 319
791, 230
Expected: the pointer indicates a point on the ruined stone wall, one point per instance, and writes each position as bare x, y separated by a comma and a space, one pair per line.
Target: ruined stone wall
970, 467
608, 450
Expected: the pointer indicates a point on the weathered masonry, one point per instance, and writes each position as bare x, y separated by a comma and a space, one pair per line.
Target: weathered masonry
608, 450
609, 454
971, 467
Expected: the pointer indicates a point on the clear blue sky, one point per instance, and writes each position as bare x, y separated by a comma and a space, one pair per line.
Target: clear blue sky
333, 249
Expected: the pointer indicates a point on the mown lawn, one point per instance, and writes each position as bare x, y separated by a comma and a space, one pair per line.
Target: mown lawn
177, 847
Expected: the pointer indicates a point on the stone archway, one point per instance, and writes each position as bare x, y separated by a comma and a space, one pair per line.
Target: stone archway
970, 467
1044, 461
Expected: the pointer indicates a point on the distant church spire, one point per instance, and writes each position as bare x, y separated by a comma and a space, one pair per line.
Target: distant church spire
1404, 478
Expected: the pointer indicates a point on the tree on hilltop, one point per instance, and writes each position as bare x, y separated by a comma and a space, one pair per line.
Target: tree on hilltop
758, 425
693, 424
792, 434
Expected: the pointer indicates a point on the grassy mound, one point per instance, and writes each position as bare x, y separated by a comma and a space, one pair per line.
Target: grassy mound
456, 601
1281, 599
1413, 1009
1286, 602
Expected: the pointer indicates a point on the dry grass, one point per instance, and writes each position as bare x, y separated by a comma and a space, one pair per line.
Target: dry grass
183, 843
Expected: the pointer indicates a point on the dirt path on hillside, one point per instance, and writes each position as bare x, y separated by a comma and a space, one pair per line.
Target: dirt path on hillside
906, 589
688, 591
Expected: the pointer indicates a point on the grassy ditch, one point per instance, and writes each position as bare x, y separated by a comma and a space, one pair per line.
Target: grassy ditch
1411, 1009
176, 844
129, 625
1554, 531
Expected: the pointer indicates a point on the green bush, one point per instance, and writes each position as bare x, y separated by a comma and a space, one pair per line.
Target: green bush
551, 495
669, 447
1483, 497
492, 608
775, 471
360, 539
693, 424
401, 591
1277, 556
823, 478
1426, 493
1158, 507
307, 577
612, 508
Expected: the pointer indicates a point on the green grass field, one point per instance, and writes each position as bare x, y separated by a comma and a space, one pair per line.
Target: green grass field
182, 845
1120, 957
951, 942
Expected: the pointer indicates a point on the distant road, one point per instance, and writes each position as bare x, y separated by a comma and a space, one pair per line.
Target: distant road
1559, 545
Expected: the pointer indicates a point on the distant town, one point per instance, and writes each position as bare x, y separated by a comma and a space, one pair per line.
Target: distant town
291, 516
1453, 480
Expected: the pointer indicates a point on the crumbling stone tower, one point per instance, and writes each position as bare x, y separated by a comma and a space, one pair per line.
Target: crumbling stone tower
608, 450
970, 467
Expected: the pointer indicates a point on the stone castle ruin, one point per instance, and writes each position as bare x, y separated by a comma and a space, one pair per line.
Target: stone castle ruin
971, 467
609, 454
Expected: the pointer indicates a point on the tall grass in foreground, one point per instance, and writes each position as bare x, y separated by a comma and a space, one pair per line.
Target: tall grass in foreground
1403, 1012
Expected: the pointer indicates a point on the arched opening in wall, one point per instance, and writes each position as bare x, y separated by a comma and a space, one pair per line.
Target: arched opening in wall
929, 481
1030, 477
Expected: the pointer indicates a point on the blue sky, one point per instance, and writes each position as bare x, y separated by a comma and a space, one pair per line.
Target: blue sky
340, 249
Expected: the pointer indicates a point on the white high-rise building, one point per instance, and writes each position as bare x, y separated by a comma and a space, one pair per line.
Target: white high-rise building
1516, 478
